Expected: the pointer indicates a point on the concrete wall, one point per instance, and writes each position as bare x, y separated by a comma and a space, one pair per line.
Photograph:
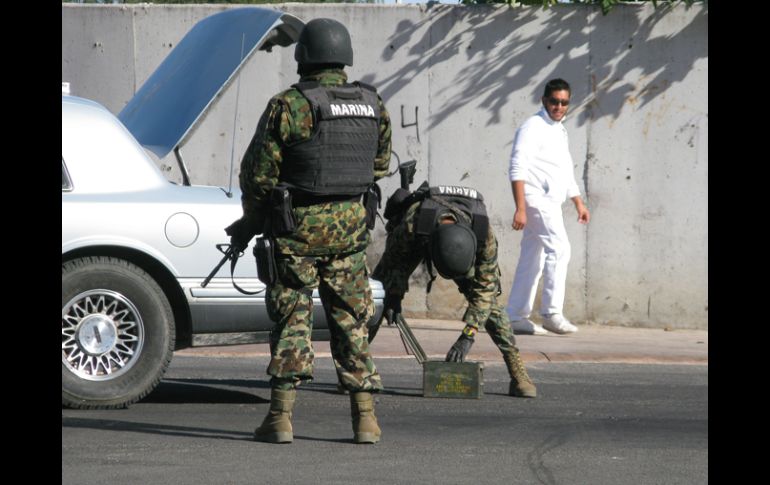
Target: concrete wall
468, 76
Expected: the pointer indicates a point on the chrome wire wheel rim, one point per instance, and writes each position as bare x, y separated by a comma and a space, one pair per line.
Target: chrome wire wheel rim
102, 335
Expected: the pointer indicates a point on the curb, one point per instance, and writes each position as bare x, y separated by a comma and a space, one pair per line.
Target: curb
592, 344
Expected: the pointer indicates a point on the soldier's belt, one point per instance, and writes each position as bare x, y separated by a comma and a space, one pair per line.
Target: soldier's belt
302, 199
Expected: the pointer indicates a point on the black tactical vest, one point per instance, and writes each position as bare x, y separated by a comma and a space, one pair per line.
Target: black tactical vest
443, 199
339, 156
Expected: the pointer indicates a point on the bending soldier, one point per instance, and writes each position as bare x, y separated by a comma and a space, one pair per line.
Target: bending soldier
448, 228
317, 151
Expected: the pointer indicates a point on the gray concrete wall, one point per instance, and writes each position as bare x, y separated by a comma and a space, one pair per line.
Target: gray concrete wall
468, 76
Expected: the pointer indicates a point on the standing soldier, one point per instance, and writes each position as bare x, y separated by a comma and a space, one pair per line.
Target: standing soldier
307, 180
448, 228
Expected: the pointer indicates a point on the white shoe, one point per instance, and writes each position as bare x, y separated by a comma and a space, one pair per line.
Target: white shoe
556, 323
525, 326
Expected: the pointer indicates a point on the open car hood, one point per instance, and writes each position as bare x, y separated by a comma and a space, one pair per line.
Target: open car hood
177, 96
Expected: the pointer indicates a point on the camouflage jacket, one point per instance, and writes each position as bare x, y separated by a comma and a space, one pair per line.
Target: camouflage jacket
404, 250
329, 228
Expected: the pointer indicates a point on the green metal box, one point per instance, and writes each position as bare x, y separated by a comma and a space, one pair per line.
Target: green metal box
463, 380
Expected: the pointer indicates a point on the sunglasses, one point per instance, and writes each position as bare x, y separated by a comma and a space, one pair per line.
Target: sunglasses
555, 102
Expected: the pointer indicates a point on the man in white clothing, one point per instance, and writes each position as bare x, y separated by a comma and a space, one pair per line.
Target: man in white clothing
542, 178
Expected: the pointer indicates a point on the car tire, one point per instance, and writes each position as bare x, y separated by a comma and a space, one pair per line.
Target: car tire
117, 333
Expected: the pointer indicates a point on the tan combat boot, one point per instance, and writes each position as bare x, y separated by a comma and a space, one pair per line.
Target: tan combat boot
521, 385
276, 427
365, 428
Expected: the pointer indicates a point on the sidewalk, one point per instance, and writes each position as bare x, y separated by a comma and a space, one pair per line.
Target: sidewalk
592, 343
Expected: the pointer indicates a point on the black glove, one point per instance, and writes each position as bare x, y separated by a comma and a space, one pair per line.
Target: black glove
390, 312
241, 232
392, 308
460, 349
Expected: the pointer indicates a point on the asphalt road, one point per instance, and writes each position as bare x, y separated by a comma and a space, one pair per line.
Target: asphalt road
591, 424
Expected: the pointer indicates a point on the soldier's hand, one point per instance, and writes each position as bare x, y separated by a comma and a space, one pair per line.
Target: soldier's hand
241, 232
392, 308
460, 349
391, 311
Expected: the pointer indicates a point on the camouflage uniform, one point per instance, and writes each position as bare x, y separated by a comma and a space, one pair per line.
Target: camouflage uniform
404, 250
326, 251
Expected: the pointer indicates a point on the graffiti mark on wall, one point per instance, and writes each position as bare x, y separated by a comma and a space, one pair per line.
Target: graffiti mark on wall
415, 123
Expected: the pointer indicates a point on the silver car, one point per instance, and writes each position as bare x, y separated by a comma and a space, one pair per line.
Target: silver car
136, 247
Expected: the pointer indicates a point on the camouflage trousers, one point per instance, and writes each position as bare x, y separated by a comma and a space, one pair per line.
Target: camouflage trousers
498, 326
343, 285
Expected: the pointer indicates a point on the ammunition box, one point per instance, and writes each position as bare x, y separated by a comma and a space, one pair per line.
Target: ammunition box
463, 380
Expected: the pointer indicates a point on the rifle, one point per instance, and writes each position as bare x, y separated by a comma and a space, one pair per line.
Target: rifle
401, 198
409, 340
407, 170
232, 254
228, 254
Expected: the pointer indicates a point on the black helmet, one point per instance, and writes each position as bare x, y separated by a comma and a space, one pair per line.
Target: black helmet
324, 41
452, 250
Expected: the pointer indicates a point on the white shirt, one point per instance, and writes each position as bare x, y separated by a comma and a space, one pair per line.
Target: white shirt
540, 157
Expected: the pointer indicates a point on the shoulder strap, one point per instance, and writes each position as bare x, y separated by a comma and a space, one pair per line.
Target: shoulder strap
431, 273
426, 217
365, 86
305, 85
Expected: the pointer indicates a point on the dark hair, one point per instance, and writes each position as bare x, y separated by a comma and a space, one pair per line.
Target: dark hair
557, 84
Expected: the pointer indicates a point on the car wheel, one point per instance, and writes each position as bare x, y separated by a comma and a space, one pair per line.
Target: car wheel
117, 333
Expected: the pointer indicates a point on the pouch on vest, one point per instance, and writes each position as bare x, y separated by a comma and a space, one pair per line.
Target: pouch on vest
282, 221
264, 253
372, 203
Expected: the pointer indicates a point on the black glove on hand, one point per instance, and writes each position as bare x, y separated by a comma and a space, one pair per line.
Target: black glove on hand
460, 349
391, 310
241, 232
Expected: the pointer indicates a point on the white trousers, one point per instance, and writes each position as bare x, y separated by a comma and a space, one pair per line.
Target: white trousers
545, 250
